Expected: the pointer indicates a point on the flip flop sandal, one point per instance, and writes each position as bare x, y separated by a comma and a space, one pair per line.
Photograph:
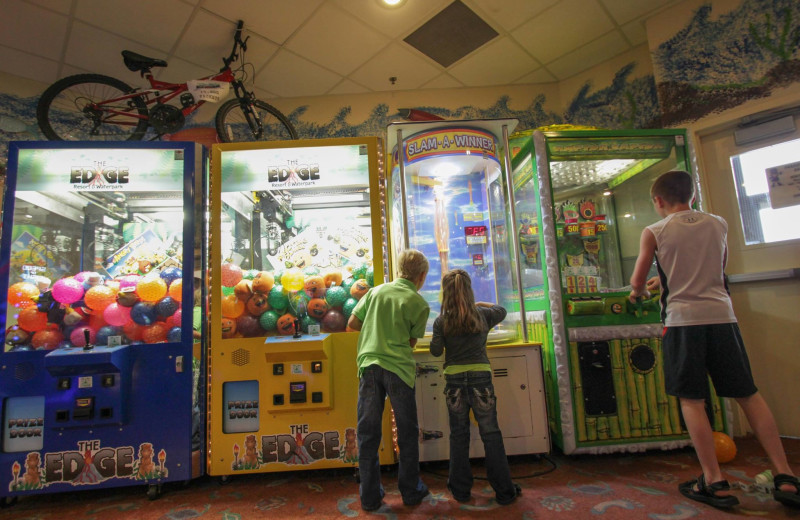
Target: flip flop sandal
787, 498
707, 493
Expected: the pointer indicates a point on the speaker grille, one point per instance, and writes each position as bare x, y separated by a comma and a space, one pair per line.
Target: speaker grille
240, 357
24, 371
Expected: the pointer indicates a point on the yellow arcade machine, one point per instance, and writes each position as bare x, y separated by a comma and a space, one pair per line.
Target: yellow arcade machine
448, 196
296, 240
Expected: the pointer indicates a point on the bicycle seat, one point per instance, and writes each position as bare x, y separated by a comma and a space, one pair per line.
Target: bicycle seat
137, 62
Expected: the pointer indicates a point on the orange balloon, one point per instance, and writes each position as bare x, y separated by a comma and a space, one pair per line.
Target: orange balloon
99, 297
31, 319
22, 294
232, 307
176, 289
724, 447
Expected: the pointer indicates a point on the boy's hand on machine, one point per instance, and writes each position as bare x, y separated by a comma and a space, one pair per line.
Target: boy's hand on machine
654, 284
637, 295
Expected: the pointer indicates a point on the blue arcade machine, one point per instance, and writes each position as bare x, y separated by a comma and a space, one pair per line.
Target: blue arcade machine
99, 369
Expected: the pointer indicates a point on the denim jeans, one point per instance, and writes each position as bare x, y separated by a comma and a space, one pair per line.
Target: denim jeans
475, 390
375, 384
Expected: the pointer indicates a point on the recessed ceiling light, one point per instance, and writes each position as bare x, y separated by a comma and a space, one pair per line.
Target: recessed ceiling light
391, 3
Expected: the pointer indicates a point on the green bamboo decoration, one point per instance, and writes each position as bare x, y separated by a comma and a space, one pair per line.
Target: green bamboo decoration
675, 415
663, 401
591, 428
613, 424
654, 422
602, 428
641, 392
577, 392
633, 398
623, 426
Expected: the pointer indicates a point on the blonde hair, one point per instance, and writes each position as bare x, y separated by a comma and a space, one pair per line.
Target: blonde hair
412, 264
458, 305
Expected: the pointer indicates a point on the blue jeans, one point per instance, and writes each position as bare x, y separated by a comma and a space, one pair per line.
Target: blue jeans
475, 390
375, 384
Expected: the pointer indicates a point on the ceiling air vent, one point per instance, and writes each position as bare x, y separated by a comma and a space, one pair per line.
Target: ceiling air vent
452, 34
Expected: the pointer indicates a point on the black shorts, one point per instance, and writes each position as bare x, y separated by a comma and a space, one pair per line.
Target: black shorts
693, 353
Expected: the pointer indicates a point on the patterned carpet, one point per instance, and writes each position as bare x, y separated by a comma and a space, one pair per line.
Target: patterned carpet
608, 487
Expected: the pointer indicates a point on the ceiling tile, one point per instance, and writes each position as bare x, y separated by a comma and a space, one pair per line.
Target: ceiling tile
27, 20
498, 63
27, 65
62, 6
161, 22
588, 56
509, 14
635, 32
443, 80
289, 75
348, 87
273, 19
563, 28
397, 61
541, 75
393, 22
625, 11
336, 40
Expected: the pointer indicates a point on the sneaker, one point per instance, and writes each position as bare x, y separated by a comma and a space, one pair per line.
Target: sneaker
517, 493
458, 498
372, 508
417, 500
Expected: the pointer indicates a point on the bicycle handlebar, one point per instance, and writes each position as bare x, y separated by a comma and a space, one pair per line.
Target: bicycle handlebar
237, 42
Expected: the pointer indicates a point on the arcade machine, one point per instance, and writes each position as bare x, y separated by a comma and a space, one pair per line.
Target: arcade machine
448, 196
96, 379
583, 198
296, 240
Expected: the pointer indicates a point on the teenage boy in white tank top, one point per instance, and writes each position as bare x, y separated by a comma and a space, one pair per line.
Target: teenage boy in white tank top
701, 336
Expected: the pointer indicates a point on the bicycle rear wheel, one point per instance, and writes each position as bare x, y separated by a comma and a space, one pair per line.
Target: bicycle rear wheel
66, 113
233, 127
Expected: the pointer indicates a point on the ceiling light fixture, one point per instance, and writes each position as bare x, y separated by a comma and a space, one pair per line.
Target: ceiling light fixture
391, 4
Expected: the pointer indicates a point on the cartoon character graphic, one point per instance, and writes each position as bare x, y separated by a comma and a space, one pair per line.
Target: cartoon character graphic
146, 465
31, 477
350, 452
89, 473
250, 452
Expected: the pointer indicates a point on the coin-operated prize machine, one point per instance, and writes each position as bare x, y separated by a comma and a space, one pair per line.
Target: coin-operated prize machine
583, 199
296, 241
448, 197
96, 379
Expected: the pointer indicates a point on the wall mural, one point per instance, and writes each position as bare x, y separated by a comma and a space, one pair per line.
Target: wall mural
716, 63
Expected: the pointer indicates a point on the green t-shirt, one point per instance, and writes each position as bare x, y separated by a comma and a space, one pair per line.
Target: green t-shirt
391, 314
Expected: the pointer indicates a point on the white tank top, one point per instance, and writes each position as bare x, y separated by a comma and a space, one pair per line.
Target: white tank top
690, 255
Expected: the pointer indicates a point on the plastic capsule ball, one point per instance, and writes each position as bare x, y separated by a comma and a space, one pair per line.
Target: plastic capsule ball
263, 282
170, 274
257, 304
292, 280
143, 313
347, 284
67, 291
317, 307
248, 326
47, 339
724, 447
370, 277
285, 325
166, 307
360, 271
96, 321
177, 318
129, 281
151, 288
307, 320
227, 291
268, 320
336, 296
230, 274
232, 307
117, 315
174, 335
133, 331
31, 319
348, 306
228, 327
298, 302
15, 335
175, 290
332, 278
277, 299
24, 294
103, 333
99, 297
314, 286
334, 321
277, 275
78, 336
359, 289
155, 333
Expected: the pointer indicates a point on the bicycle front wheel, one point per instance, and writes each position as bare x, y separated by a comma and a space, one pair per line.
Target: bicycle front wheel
234, 125
81, 108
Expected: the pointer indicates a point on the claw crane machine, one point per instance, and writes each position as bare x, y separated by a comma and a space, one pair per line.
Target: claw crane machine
98, 387
448, 196
583, 199
297, 240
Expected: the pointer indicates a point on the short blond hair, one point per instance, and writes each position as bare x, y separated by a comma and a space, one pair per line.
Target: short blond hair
412, 264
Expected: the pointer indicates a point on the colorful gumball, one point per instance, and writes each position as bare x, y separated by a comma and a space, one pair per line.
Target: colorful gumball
277, 299
23, 294
360, 271
166, 307
298, 301
228, 327
67, 291
129, 281
286, 325
348, 284
348, 306
47, 339
334, 321
317, 307
314, 286
174, 335
230, 274
99, 297
117, 315
332, 278
292, 280
248, 326
155, 333
170, 274
359, 289
31, 319
143, 313
257, 304
133, 331
268, 320
232, 307
263, 282
78, 336
103, 333
151, 288
336, 296
305, 321
176, 290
